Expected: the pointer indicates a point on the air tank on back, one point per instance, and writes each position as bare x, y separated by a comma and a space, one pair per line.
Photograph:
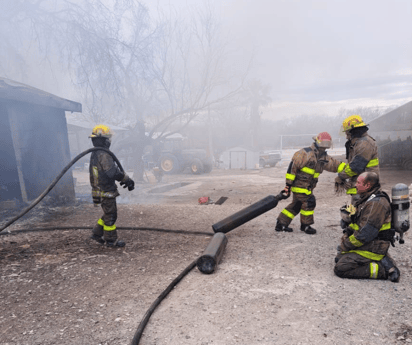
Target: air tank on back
400, 209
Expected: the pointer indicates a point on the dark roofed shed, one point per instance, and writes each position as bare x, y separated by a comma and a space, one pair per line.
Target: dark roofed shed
34, 145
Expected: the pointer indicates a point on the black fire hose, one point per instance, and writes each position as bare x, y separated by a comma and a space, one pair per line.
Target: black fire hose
53, 228
207, 263
54, 182
248, 213
149, 312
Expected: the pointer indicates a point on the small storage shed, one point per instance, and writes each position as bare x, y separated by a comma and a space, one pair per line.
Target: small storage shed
34, 145
240, 158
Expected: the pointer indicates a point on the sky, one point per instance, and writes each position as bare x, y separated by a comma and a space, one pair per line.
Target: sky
321, 55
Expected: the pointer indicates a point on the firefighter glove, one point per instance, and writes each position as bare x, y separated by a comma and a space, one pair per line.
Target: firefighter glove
129, 183
339, 185
287, 189
342, 246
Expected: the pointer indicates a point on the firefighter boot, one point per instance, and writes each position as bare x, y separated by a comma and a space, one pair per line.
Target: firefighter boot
393, 272
97, 233
282, 227
111, 239
307, 229
117, 243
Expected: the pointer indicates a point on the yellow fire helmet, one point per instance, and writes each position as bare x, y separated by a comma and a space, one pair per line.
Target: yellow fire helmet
351, 122
101, 131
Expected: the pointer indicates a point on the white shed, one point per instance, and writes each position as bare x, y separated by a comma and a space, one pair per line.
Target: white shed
240, 158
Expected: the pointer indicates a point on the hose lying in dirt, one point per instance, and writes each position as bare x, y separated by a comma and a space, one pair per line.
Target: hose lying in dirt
205, 263
184, 232
149, 312
54, 182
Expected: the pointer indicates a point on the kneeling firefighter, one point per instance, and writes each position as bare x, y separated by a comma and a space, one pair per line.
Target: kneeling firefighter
103, 174
301, 179
363, 251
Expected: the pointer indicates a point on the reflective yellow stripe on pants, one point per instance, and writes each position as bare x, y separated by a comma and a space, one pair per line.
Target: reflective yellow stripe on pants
307, 213
106, 227
288, 214
374, 267
109, 227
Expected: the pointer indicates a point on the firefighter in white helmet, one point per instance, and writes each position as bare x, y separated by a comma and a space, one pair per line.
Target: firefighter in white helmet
103, 174
301, 179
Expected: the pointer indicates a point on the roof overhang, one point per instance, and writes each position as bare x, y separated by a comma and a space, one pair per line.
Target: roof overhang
15, 91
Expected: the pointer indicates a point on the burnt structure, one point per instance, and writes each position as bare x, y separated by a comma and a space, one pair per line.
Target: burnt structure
34, 146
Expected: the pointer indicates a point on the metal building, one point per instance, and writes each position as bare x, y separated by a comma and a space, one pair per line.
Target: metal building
240, 158
34, 145
393, 134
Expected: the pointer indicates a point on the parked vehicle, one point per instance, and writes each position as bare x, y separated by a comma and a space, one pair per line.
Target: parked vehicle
269, 158
172, 157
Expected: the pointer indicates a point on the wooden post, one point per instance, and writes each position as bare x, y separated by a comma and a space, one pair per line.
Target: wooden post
17, 149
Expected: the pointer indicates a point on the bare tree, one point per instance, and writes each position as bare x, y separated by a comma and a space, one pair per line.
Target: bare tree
256, 95
129, 69
191, 71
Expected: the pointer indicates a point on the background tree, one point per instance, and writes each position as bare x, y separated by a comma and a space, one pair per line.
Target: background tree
257, 95
129, 69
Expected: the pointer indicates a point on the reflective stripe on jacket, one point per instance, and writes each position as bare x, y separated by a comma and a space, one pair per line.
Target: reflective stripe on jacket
306, 166
362, 156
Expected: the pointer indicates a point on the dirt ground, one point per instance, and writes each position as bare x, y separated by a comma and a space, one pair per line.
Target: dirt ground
59, 287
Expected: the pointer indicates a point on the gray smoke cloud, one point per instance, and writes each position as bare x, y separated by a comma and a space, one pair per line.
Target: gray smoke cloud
321, 50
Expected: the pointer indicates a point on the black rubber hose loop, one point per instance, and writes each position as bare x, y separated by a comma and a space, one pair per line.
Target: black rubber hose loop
54, 182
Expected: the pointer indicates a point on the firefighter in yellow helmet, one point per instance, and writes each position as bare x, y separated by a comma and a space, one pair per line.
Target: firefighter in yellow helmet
361, 155
301, 179
103, 174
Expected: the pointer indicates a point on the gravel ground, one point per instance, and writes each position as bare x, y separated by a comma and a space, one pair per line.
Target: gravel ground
59, 287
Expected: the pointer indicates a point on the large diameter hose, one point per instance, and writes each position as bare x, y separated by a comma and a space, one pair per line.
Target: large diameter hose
248, 213
54, 182
143, 323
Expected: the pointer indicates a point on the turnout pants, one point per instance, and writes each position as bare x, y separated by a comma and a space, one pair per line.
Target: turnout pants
352, 265
301, 203
106, 224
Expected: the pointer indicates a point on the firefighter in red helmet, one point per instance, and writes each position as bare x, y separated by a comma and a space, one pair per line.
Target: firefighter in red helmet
103, 175
301, 179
